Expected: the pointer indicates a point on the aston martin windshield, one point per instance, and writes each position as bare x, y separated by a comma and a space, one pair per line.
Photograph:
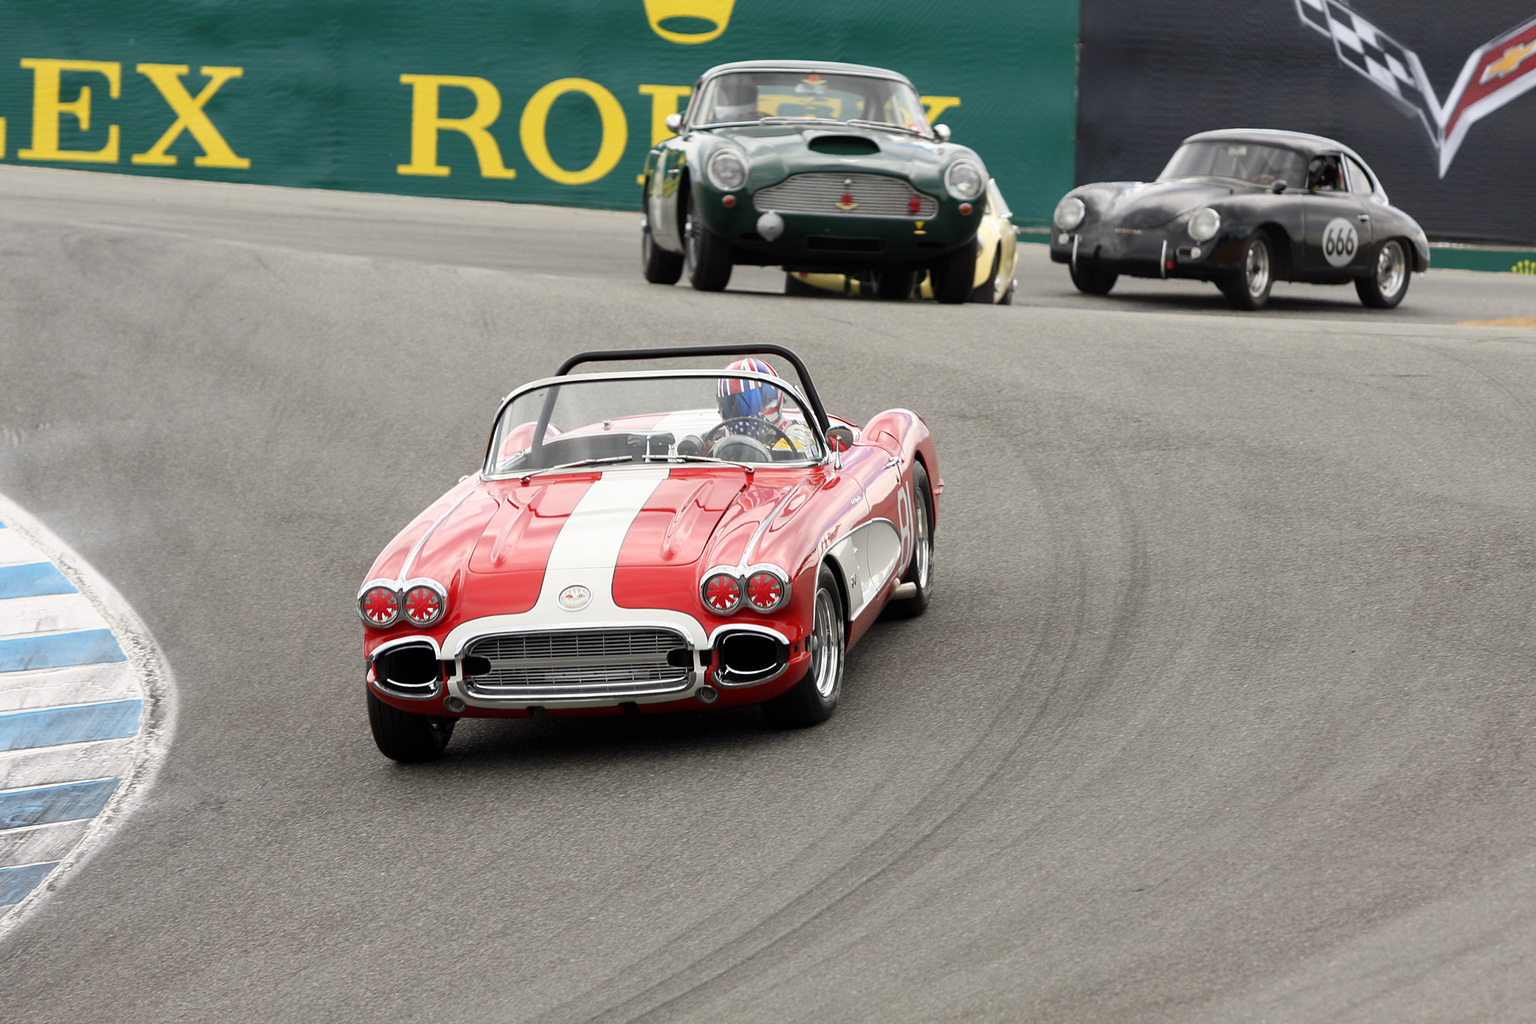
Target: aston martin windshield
1245, 161
605, 422
744, 96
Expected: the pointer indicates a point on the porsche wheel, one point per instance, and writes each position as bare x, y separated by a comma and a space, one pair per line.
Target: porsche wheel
920, 569
1248, 287
953, 275
708, 256
1090, 280
658, 265
895, 285
814, 698
402, 736
1386, 287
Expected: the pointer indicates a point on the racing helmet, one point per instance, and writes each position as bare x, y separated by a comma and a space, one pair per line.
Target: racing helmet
737, 397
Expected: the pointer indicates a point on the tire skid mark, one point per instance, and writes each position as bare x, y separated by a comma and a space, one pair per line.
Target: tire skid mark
920, 834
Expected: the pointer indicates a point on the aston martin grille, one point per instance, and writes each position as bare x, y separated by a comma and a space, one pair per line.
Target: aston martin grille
579, 664
860, 195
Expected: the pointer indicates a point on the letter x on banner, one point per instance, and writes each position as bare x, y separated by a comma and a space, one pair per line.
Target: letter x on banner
1497, 72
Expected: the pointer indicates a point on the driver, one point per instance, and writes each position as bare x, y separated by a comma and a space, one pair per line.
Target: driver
736, 100
743, 398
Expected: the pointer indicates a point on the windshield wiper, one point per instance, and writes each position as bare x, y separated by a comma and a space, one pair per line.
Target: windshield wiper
578, 464
882, 124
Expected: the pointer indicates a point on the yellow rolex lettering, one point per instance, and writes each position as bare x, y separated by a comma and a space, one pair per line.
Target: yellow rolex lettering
536, 118
2, 138
665, 99
426, 123
190, 116
48, 108
934, 106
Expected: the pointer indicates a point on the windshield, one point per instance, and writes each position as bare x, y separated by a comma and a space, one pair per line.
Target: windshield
1245, 161
753, 95
725, 417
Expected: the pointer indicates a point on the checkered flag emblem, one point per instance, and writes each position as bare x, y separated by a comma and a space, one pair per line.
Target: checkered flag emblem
1496, 73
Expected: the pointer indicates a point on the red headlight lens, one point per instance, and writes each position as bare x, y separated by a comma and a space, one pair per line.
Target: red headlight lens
423, 605
722, 593
379, 606
765, 591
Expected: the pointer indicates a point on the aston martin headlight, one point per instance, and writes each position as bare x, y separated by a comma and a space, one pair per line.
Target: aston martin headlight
965, 179
1204, 224
727, 170
1069, 213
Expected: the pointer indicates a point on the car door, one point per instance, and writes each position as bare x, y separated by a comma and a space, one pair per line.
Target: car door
1338, 225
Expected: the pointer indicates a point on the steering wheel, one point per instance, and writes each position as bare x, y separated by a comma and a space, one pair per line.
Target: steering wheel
752, 428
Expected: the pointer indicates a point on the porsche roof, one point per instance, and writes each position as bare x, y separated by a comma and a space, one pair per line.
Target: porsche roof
1311, 145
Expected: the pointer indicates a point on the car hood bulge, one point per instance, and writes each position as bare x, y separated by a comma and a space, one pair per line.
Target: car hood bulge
1153, 204
776, 151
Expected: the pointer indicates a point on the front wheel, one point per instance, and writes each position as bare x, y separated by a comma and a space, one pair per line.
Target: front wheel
708, 255
658, 265
953, 276
920, 568
813, 699
1090, 280
1386, 287
1248, 287
402, 736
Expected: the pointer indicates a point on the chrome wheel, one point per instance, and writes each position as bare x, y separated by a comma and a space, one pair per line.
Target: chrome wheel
1391, 268
924, 553
827, 635
1256, 269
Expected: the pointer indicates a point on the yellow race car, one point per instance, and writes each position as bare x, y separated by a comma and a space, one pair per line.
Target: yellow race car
996, 257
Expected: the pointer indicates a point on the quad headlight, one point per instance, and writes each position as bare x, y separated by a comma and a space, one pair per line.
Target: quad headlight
727, 170
1069, 213
1204, 224
384, 603
965, 179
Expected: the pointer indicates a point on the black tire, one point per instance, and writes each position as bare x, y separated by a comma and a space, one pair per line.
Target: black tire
1385, 288
987, 290
404, 737
794, 286
708, 256
894, 285
1248, 286
920, 568
952, 276
658, 265
813, 699
1090, 280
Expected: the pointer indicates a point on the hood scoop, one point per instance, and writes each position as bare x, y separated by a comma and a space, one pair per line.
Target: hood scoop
843, 145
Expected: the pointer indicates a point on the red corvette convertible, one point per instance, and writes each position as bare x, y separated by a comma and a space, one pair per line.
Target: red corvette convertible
651, 540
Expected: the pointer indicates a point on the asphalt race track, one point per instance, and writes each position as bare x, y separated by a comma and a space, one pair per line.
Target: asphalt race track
1223, 711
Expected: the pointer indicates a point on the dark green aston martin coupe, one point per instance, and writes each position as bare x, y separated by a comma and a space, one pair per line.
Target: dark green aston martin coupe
821, 168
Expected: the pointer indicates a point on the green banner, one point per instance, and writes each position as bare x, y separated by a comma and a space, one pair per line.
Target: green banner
552, 103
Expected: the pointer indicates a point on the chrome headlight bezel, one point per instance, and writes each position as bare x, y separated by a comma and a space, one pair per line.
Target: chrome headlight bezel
727, 170
1069, 213
1204, 224
965, 180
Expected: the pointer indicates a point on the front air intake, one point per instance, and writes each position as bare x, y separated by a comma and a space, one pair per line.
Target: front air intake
410, 670
748, 658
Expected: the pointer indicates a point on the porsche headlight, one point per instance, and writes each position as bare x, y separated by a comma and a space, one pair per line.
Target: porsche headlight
727, 170
965, 180
1204, 224
1069, 213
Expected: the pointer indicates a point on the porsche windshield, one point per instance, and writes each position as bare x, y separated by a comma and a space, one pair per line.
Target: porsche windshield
742, 96
609, 422
1245, 161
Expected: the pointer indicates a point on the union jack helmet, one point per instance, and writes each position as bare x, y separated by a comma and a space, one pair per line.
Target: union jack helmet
738, 397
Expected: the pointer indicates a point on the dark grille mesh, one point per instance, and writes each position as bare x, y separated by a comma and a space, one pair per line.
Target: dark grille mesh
877, 195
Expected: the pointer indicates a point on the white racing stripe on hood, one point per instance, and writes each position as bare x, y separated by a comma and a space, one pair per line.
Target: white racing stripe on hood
587, 549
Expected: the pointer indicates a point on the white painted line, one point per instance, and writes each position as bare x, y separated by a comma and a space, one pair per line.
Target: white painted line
52, 613
46, 766
76, 773
77, 684
40, 843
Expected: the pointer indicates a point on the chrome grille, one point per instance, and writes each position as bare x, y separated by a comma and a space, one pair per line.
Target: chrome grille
877, 195
579, 664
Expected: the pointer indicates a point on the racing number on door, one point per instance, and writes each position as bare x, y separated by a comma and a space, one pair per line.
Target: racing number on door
1340, 242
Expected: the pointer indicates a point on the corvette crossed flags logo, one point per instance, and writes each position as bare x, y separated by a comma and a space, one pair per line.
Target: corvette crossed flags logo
1497, 72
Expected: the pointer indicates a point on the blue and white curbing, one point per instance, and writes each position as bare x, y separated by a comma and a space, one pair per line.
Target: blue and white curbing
86, 708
